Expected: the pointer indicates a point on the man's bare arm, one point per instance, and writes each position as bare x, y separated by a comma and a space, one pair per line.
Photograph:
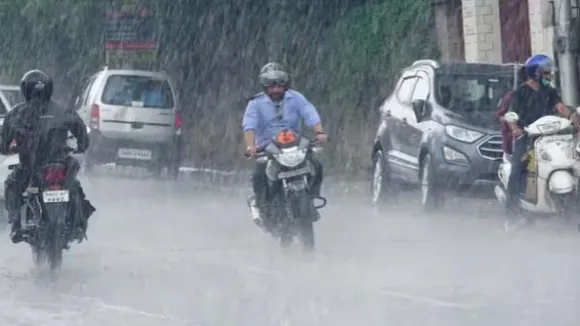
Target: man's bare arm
317, 128
250, 138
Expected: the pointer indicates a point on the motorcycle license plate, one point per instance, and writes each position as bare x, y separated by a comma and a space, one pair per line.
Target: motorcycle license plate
55, 196
294, 173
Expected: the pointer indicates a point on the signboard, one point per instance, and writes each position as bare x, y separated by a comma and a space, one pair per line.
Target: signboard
131, 30
131, 36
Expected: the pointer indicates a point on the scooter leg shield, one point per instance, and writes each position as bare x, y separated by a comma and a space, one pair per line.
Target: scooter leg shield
561, 182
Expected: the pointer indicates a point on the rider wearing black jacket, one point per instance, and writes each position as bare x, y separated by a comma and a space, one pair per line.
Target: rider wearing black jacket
39, 128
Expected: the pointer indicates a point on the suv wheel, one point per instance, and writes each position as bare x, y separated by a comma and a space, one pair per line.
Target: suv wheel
431, 195
380, 178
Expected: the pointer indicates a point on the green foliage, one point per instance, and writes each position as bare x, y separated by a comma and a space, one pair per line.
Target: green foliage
365, 51
344, 57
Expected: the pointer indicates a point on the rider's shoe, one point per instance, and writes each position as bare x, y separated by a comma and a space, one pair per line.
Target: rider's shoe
16, 232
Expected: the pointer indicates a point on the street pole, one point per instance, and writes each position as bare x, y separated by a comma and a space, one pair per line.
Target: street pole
568, 79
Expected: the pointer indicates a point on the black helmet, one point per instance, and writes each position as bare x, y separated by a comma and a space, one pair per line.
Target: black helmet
36, 84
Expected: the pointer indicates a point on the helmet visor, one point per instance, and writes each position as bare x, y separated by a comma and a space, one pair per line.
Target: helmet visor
274, 77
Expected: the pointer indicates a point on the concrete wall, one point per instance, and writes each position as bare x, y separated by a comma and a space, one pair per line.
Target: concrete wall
481, 30
541, 37
482, 33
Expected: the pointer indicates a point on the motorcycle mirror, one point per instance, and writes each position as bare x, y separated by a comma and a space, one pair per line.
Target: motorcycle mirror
511, 117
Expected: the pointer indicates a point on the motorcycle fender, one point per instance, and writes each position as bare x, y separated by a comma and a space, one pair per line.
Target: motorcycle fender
302, 205
297, 185
561, 182
56, 213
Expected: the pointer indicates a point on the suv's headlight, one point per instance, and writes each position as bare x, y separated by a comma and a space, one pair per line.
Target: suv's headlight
291, 158
462, 134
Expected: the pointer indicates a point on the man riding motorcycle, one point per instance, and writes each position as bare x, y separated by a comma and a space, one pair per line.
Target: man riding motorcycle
532, 100
39, 128
276, 108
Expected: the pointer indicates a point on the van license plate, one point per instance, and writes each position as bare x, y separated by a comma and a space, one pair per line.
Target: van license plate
55, 196
134, 154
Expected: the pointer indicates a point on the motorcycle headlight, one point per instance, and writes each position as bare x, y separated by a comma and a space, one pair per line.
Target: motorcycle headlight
291, 158
462, 134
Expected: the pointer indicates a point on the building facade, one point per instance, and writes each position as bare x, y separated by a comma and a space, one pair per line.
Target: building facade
493, 31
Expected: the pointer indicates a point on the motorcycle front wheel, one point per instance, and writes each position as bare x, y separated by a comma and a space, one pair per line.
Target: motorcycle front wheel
304, 212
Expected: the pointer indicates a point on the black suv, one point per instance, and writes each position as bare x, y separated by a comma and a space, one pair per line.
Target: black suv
438, 129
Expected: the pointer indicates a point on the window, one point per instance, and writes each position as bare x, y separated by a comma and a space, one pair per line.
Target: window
406, 89
139, 91
472, 96
422, 89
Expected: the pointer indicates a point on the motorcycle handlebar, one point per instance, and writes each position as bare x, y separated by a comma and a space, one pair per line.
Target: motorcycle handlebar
260, 151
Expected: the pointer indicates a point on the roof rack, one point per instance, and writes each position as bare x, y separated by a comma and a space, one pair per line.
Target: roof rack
106, 67
426, 62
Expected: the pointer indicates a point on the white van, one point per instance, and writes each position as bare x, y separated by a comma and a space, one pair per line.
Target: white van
134, 119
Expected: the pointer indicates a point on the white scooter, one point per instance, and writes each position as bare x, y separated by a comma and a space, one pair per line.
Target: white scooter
551, 179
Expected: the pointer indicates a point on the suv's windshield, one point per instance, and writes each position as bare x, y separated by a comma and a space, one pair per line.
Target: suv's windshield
12, 96
140, 91
473, 97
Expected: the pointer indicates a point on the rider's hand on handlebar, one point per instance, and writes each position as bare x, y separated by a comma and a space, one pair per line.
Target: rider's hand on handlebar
251, 151
517, 133
321, 137
575, 120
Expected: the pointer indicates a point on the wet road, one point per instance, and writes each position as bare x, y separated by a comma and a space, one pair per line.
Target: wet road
162, 253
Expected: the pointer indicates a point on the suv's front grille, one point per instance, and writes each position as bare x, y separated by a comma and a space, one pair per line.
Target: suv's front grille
491, 148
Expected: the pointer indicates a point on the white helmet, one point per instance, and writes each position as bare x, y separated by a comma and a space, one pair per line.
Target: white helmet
273, 73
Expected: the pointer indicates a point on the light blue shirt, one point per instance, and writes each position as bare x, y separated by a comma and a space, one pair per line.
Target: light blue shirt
267, 118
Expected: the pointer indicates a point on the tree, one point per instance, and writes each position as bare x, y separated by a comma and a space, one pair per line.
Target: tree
343, 57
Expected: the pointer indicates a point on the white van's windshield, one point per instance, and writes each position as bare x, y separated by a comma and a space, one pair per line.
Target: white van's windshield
140, 91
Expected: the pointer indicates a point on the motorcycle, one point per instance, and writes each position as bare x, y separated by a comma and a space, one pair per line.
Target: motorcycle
552, 171
47, 204
290, 210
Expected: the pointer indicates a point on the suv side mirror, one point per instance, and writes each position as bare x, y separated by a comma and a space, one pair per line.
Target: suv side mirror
422, 109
